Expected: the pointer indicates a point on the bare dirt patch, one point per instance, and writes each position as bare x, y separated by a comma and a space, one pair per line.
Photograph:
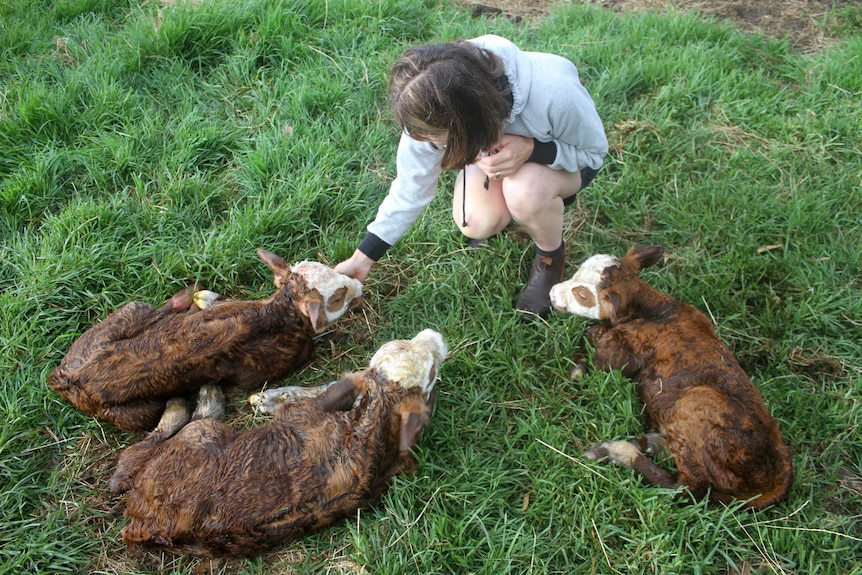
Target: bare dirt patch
799, 21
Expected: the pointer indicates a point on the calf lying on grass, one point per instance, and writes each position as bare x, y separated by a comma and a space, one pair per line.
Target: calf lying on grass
125, 368
705, 409
210, 490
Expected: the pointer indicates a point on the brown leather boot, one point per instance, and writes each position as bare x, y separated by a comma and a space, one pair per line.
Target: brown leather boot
547, 270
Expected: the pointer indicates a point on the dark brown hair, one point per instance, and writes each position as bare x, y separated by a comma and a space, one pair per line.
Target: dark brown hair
456, 90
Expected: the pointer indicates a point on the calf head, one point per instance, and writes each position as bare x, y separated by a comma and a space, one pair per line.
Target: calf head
407, 371
604, 286
324, 294
412, 362
412, 365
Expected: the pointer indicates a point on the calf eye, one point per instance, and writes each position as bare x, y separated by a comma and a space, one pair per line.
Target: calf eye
583, 296
336, 300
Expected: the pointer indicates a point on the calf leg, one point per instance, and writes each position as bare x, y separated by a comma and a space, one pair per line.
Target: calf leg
210, 403
613, 351
134, 415
175, 416
627, 454
124, 323
133, 318
269, 400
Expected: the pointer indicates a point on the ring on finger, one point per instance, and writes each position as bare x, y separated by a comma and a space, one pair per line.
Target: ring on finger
497, 176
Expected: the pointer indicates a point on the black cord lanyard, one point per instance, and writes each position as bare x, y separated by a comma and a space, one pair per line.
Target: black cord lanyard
464, 196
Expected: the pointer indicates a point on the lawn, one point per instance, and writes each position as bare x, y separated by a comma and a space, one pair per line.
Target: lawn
144, 146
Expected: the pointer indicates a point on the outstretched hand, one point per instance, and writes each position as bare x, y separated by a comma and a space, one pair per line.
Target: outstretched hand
356, 266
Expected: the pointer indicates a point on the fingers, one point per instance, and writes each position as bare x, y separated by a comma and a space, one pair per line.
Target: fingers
357, 266
495, 167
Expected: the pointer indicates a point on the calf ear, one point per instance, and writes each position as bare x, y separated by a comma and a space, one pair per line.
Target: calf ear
280, 270
339, 396
640, 257
609, 308
412, 422
313, 310
275, 263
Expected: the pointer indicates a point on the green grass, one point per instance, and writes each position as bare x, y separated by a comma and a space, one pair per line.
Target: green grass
144, 146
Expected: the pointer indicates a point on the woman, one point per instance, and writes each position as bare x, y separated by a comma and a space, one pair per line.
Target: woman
521, 128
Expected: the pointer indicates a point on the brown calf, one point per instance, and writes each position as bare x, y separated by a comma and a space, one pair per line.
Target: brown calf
210, 490
696, 396
124, 369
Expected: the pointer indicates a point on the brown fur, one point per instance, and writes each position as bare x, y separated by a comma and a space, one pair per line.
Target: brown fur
125, 368
715, 422
213, 491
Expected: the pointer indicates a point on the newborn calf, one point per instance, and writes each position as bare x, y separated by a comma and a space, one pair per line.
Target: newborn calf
124, 369
210, 490
696, 396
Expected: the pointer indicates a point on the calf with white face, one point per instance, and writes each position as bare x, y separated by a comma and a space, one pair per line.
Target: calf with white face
697, 399
206, 489
124, 369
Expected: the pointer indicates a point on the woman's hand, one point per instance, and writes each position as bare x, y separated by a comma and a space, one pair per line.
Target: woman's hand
356, 266
506, 157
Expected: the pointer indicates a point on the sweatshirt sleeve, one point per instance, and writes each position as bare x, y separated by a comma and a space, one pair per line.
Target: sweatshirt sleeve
578, 131
552, 106
415, 184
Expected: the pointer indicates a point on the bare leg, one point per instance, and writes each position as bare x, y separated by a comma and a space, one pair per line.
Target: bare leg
534, 197
484, 210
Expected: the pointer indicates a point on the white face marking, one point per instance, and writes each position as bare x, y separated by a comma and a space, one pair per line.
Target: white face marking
331, 285
412, 363
579, 295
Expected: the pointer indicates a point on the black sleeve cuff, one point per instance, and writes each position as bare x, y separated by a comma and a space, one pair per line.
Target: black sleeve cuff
373, 247
543, 152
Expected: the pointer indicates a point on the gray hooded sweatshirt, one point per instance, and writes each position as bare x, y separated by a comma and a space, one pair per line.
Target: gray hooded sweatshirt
549, 105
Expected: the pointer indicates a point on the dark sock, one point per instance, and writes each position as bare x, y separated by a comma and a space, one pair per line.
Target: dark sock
557, 253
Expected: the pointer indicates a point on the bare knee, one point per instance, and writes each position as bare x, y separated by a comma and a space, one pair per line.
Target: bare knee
527, 198
478, 208
536, 189
481, 226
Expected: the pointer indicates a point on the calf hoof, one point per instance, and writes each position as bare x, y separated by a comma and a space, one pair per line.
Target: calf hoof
616, 452
597, 452
578, 372
594, 332
210, 403
205, 298
174, 417
580, 368
651, 443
